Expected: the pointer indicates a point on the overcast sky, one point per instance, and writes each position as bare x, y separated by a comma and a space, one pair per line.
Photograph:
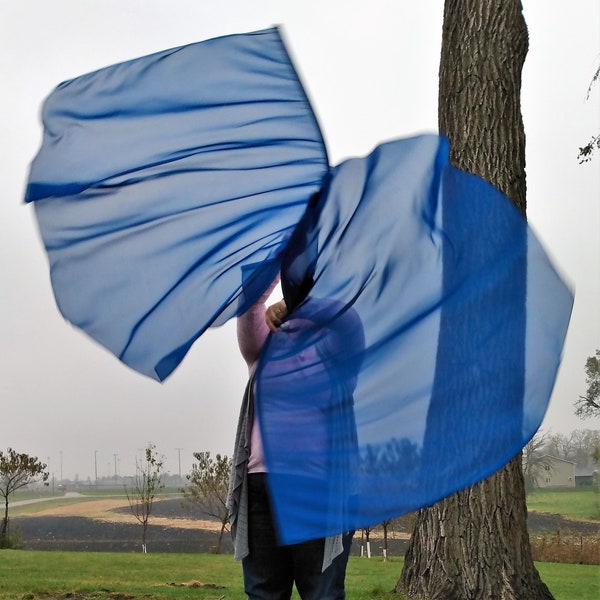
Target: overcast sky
370, 69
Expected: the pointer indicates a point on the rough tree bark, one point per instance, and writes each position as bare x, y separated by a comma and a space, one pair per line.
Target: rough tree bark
475, 545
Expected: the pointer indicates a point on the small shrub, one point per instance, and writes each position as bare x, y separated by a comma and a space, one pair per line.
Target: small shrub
12, 540
566, 548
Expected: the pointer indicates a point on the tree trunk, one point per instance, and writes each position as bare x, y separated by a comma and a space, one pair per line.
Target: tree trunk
144, 535
484, 44
4, 526
474, 545
221, 533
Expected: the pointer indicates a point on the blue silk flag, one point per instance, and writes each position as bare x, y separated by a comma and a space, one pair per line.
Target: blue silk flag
426, 324
166, 182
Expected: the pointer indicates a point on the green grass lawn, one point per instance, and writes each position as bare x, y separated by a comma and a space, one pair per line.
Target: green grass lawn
27, 575
574, 503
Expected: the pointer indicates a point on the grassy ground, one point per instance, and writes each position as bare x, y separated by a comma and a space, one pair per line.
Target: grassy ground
575, 503
33, 575
29, 575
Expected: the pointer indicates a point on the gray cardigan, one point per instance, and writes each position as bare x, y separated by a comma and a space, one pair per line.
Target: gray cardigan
237, 497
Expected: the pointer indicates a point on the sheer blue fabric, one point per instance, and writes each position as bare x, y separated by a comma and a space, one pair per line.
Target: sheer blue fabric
166, 184
429, 327
426, 322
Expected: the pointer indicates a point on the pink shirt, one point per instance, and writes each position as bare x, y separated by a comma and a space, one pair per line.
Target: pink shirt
305, 373
252, 331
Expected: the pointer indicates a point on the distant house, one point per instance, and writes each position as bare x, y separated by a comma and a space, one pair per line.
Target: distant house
555, 472
586, 476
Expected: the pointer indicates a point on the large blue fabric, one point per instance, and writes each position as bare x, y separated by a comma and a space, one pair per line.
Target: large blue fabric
166, 185
426, 323
429, 327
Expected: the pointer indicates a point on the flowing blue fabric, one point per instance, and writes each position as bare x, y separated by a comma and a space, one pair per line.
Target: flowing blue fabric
426, 321
166, 185
429, 327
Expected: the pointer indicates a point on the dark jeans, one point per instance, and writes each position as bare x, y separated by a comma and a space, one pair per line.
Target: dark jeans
270, 570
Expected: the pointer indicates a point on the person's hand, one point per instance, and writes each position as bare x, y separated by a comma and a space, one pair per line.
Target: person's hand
275, 315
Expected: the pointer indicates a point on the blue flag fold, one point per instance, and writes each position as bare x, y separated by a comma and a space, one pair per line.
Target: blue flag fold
165, 183
429, 324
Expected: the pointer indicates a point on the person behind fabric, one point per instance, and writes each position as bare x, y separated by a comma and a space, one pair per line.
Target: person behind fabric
270, 569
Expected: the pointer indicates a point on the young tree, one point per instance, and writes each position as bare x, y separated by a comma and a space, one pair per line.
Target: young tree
386, 525
16, 471
147, 484
365, 540
209, 482
475, 544
589, 405
535, 459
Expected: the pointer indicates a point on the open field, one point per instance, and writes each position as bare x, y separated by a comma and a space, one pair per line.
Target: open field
107, 524
31, 575
575, 503
571, 503
112, 510
102, 521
